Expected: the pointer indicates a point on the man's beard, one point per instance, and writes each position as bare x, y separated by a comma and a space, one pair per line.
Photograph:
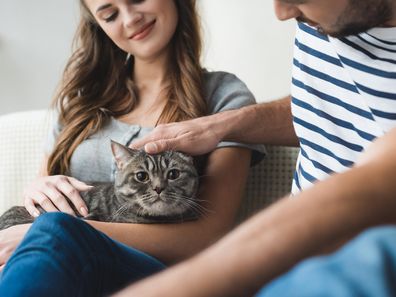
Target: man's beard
358, 17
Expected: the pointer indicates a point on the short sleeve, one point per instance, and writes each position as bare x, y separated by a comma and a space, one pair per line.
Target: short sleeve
53, 134
225, 91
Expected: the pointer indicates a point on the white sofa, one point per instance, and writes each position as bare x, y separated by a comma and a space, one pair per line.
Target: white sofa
22, 137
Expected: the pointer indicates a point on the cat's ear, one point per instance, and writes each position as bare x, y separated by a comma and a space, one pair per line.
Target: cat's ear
121, 154
185, 157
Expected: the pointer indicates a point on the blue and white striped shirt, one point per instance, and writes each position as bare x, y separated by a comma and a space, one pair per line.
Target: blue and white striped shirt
343, 97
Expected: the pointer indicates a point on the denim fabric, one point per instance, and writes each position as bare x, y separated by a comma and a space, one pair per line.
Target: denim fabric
365, 267
64, 256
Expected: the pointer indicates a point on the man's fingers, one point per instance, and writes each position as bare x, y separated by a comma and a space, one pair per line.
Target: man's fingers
138, 144
159, 146
151, 148
162, 132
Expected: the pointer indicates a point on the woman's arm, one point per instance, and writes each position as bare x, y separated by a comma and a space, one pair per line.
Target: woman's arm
222, 189
268, 123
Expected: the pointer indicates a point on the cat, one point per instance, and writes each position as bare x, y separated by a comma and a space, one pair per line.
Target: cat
158, 188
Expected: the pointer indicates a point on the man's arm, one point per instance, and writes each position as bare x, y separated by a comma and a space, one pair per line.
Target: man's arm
276, 239
268, 123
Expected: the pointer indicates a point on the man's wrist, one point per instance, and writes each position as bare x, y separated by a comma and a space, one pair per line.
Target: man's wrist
223, 124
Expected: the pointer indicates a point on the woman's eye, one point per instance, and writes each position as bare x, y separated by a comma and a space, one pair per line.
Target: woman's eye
137, 1
110, 18
142, 176
173, 174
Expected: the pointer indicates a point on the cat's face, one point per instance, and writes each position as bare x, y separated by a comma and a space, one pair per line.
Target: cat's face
157, 185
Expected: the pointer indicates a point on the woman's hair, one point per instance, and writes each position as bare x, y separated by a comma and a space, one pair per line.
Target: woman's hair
97, 82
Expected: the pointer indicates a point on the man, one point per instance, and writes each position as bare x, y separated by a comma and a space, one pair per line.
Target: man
343, 110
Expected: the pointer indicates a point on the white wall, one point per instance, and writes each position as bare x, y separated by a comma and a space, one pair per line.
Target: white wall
35, 41
242, 37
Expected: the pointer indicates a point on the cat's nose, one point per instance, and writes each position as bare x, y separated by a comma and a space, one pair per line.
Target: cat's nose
158, 190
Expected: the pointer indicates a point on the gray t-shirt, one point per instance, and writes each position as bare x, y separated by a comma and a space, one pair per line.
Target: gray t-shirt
93, 161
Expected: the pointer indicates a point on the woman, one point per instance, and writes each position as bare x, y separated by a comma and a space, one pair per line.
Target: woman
136, 65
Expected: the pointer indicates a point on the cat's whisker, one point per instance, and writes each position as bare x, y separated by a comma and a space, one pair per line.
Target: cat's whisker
193, 199
205, 175
139, 210
120, 211
195, 206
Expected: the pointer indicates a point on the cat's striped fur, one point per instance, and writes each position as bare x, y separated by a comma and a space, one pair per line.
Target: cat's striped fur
147, 189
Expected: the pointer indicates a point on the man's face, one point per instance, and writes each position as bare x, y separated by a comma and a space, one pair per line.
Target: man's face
336, 18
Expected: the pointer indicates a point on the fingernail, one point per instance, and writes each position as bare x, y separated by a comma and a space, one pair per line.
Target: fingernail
150, 147
36, 214
84, 211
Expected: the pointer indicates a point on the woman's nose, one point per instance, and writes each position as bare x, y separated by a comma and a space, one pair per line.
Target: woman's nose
285, 11
132, 17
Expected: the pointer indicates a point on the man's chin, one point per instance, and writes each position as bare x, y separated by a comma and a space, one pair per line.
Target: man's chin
351, 29
343, 32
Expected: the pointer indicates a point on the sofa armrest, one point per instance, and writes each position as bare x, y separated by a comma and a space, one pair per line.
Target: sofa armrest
22, 137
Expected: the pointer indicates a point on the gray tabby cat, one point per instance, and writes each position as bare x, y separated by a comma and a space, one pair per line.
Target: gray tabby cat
147, 189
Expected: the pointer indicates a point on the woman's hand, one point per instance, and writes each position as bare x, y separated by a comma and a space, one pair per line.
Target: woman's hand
9, 240
53, 194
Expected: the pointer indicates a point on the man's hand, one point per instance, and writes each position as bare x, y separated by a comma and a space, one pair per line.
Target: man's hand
194, 137
9, 240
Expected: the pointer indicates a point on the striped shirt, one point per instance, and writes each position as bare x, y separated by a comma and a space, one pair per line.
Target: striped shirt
343, 97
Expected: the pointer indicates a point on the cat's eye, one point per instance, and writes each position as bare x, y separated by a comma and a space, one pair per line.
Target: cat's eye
142, 176
173, 174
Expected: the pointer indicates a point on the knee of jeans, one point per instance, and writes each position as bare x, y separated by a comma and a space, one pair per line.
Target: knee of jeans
54, 221
378, 235
375, 244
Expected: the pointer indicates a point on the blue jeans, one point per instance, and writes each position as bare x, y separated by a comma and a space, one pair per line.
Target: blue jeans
365, 267
64, 256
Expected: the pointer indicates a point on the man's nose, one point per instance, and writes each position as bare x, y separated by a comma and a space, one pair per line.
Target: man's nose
285, 11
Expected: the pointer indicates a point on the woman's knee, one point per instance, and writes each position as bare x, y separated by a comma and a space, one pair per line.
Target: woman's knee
54, 220
60, 226
378, 238
70, 235
375, 245
379, 234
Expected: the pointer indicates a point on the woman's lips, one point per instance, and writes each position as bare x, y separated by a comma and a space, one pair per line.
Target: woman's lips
143, 32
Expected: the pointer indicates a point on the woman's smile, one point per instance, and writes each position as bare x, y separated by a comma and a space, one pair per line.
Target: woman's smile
144, 31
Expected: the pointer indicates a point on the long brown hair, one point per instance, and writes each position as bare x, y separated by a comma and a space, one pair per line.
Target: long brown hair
97, 82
